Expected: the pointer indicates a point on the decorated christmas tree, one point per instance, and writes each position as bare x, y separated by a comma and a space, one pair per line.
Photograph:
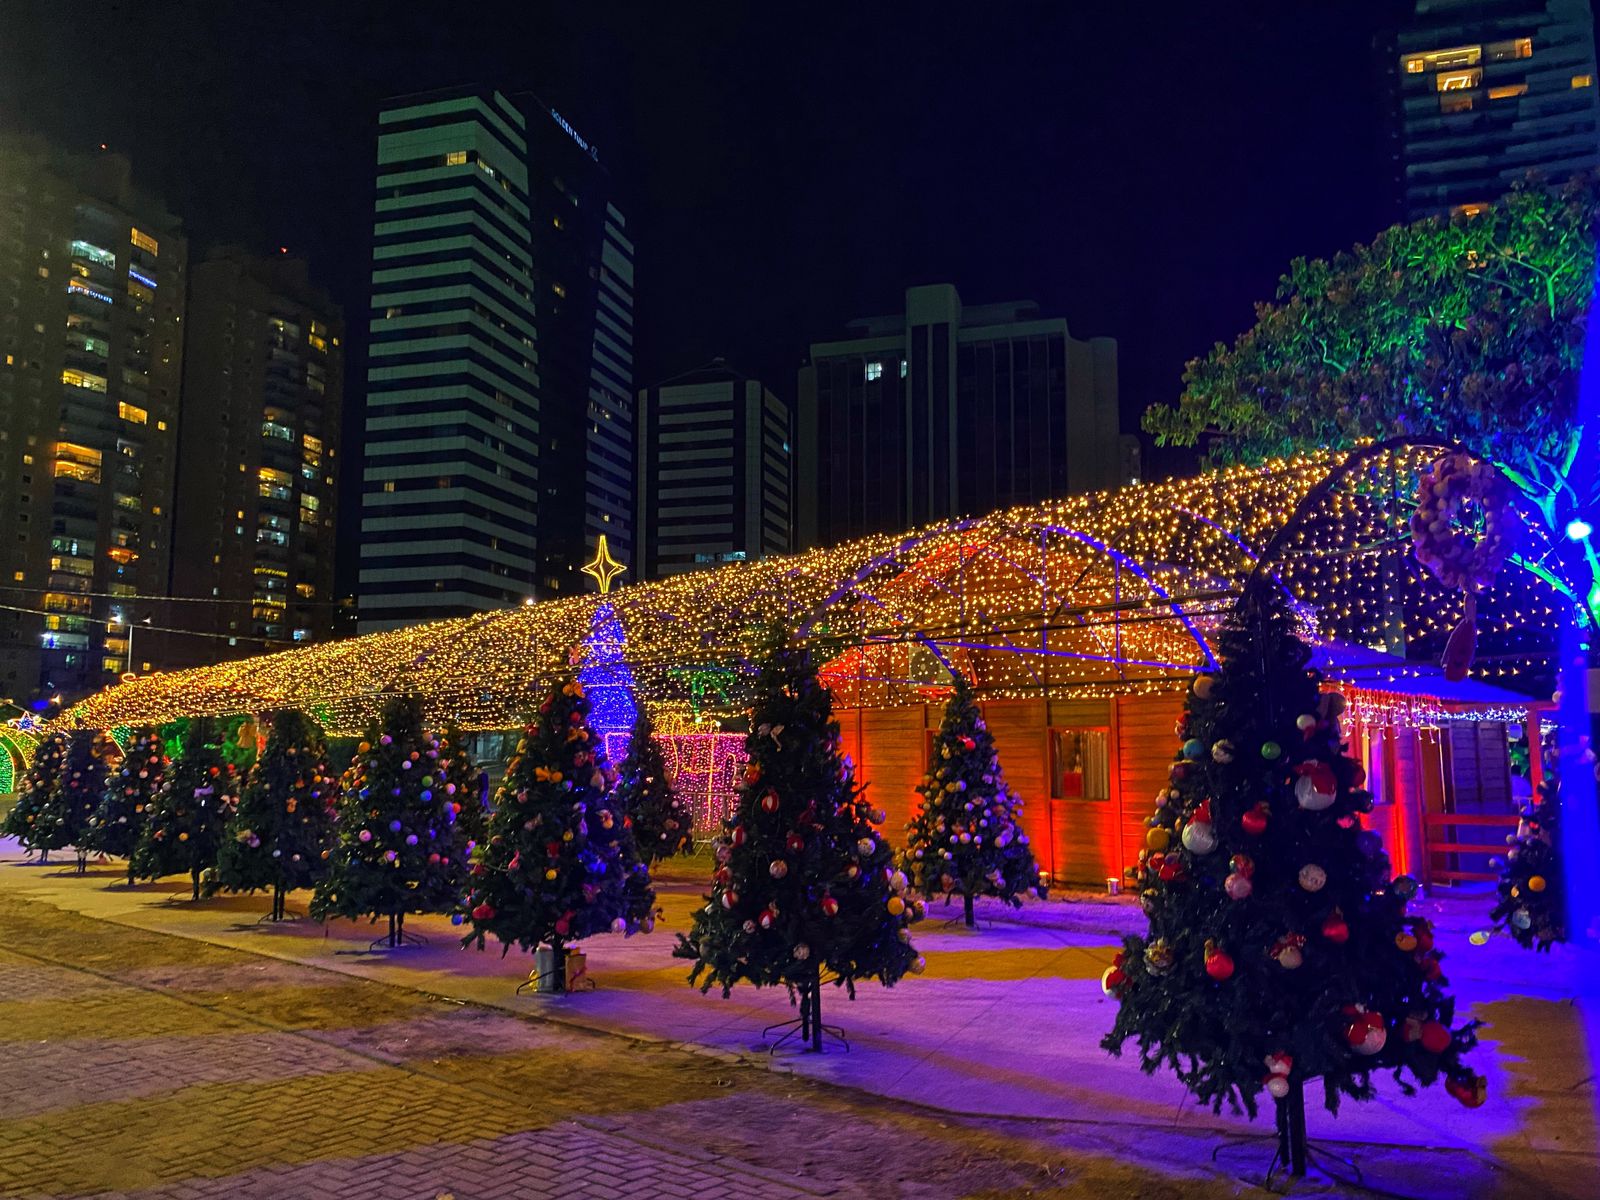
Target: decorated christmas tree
465, 785
30, 820
1279, 949
282, 834
90, 758
398, 850
662, 823
1531, 899
805, 891
560, 863
185, 823
965, 840
120, 818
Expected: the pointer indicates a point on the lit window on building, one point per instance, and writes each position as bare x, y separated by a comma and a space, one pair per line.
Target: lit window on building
456, 158
874, 371
1508, 91
1509, 51
95, 254
144, 241
1582, 81
82, 379
1458, 81
904, 366
1415, 66
1445, 58
132, 413
1469, 210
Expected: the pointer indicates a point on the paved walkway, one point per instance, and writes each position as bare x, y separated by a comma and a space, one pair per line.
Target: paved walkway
174, 1026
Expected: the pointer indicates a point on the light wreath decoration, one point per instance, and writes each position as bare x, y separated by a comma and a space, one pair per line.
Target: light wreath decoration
1451, 554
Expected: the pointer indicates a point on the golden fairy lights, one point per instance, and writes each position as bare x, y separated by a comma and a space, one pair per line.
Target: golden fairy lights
1088, 596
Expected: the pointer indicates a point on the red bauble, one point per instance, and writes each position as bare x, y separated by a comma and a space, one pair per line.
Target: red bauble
768, 916
1335, 929
1219, 965
737, 837
1436, 1038
1254, 822
483, 912
769, 801
1471, 1090
729, 899
795, 843
830, 906
1366, 1033
1171, 870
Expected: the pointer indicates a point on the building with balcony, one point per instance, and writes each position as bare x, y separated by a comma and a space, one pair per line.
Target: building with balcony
91, 347
716, 472
1485, 92
947, 409
253, 533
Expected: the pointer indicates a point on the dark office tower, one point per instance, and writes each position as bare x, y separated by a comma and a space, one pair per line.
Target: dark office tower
91, 342
253, 525
583, 277
945, 410
716, 474
1487, 91
450, 482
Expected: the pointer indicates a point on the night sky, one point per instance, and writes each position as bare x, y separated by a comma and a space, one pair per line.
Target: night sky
1146, 170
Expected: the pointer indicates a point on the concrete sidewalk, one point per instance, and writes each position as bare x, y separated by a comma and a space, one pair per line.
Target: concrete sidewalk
1005, 1024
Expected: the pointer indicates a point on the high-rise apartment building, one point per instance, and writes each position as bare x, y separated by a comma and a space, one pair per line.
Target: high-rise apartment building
948, 409
499, 414
583, 292
1487, 91
91, 346
258, 443
450, 482
716, 472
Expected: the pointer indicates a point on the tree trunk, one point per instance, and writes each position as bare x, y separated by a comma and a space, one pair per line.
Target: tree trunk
816, 1012
1291, 1122
277, 903
194, 877
966, 908
559, 966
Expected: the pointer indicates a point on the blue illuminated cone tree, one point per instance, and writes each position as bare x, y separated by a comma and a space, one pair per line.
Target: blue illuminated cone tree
281, 836
805, 891
965, 839
120, 817
43, 781
663, 825
1279, 949
560, 863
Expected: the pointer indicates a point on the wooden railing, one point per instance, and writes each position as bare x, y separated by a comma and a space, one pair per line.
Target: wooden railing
1437, 825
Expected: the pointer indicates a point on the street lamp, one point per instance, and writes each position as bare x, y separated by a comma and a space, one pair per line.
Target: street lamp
133, 667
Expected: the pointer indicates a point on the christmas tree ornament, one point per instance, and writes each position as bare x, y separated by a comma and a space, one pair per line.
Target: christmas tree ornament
1312, 878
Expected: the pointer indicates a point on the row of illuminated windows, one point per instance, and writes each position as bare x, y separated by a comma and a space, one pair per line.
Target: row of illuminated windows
1467, 56
1464, 99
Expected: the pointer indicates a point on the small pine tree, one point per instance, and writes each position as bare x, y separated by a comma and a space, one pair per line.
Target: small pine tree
282, 834
1279, 948
662, 824
803, 883
560, 863
23, 822
965, 840
466, 785
186, 821
70, 813
120, 817
398, 848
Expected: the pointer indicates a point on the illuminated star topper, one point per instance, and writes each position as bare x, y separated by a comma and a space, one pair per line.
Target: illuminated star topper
603, 567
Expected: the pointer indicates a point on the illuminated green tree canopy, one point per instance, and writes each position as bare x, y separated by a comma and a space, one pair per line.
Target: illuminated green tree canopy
1470, 330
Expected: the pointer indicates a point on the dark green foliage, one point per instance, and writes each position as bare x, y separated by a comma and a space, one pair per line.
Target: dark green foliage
1531, 902
965, 840
120, 817
465, 784
23, 822
560, 863
662, 822
68, 817
282, 834
187, 819
803, 882
1314, 931
398, 849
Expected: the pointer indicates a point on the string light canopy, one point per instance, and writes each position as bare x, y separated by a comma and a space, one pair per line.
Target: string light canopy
1095, 595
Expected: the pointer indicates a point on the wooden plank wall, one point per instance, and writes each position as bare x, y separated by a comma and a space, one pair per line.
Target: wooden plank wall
1145, 748
1083, 834
893, 762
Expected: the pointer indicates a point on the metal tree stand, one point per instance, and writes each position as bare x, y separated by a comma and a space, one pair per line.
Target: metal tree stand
397, 935
557, 973
1293, 1153
808, 1027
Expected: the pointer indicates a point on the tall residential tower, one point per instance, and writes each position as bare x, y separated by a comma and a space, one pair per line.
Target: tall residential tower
91, 346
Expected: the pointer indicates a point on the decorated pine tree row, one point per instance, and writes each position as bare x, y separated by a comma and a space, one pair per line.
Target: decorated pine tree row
1279, 949
30, 820
186, 819
805, 891
120, 818
964, 840
663, 825
399, 849
559, 863
281, 836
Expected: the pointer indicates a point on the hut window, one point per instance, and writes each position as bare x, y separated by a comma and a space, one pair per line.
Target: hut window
1080, 764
